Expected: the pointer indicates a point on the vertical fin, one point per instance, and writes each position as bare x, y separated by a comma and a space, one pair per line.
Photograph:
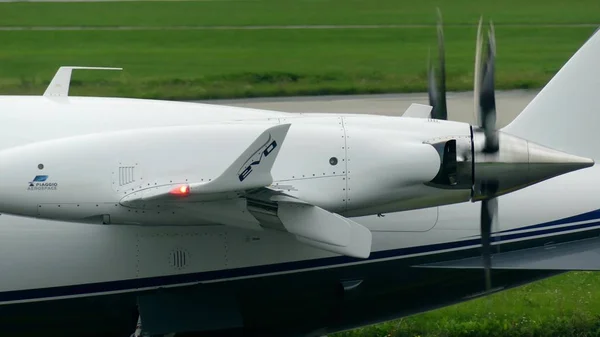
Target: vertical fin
565, 115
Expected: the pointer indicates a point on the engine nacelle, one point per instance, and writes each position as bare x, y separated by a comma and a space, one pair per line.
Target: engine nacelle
351, 165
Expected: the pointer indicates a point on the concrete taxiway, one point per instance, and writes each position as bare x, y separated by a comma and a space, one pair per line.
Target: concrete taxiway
460, 104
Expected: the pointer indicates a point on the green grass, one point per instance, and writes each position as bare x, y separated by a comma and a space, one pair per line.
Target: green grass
245, 63
202, 64
302, 12
565, 305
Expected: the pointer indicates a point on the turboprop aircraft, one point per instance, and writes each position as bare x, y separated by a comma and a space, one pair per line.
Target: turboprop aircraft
223, 220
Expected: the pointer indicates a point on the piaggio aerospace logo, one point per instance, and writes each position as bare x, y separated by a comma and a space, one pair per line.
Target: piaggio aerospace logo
39, 183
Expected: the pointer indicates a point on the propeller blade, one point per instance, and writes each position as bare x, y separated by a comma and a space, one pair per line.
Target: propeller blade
485, 104
485, 108
477, 73
487, 99
437, 90
489, 208
432, 89
443, 110
489, 213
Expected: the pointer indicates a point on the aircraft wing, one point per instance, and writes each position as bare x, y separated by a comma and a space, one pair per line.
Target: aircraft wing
322, 229
574, 255
248, 178
310, 224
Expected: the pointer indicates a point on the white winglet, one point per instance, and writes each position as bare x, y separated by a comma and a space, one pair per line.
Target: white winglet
416, 110
252, 169
59, 86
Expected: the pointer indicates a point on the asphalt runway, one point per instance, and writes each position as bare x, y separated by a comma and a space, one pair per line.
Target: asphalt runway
460, 104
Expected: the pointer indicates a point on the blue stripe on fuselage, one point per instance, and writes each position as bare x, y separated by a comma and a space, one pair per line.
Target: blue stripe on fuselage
132, 284
593, 215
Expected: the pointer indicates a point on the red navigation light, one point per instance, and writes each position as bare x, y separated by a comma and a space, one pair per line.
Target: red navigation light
182, 190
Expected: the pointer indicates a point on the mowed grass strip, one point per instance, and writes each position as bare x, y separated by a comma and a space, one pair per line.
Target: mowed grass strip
247, 63
567, 305
297, 12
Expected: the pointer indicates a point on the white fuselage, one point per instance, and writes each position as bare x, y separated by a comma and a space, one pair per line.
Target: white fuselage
112, 135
